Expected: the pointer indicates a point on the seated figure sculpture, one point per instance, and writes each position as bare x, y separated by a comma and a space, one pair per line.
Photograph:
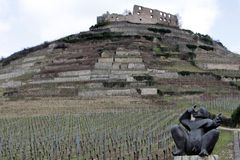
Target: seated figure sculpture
199, 136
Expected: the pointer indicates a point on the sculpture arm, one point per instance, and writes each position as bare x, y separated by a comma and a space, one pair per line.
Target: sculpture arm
185, 118
212, 124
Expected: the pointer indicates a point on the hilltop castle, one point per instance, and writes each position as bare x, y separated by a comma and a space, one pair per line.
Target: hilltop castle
141, 15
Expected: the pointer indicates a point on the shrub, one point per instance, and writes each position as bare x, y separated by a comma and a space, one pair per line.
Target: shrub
137, 37
191, 47
184, 73
191, 55
161, 30
149, 38
90, 36
236, 116
189, 31
220, 44
114, 84
99, 25
157, 50
207, 48
205, 38
143, 77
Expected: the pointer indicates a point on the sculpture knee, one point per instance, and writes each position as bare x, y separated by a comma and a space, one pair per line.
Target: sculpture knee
215, 132
175, 128
178, 131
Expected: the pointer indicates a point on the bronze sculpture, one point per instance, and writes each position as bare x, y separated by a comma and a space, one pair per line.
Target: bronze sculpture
199, 136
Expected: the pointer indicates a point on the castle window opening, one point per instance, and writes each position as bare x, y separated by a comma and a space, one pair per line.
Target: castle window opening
151, 16
169, 16
161, 19
160, 13
140, 8
140, 19
138, 13
164, 19
164, 15
151, 11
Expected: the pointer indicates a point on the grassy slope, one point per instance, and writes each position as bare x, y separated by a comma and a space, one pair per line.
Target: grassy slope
224, 146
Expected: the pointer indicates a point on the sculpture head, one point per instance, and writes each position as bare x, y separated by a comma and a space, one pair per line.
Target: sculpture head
201, 113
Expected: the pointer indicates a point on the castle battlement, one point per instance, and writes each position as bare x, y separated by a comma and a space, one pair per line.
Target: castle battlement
142, 15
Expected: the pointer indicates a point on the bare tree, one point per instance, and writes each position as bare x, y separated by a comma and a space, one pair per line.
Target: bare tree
179, 20
127, 12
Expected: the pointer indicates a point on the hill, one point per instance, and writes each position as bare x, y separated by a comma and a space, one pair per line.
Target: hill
122, 58
114, 91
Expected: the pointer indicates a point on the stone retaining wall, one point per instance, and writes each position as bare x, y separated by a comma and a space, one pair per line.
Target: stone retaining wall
12, 84
28, 59
220, 66
102, 93
122, 53
128, 60
74, 73
162, 74
63, 79
12, 74
148, 91
211, 157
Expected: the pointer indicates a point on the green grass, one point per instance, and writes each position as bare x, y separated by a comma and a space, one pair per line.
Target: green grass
24, 77
182, 67
223, 146
1, 92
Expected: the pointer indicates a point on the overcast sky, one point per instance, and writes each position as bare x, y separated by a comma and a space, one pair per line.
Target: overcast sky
25, 23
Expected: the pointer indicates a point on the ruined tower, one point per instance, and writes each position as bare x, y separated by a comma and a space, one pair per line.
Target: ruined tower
142, 15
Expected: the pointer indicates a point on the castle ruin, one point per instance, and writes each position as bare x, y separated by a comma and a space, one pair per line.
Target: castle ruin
141, 15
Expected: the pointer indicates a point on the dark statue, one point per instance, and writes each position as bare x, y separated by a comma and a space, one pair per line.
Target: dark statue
199, 136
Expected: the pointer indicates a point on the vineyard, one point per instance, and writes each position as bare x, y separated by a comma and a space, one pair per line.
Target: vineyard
222, 104
113, 134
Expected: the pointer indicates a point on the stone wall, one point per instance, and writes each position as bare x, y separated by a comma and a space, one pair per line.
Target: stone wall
102, 93
162, 74
74, 73
29, 59
211, 157
120, 65
142, 15
11, 84
12, 74
148, 91
220, 66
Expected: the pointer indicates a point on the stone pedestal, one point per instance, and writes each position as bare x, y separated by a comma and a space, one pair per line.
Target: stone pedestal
211, 157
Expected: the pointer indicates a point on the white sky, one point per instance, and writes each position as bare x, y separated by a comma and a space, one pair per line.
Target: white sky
25, 23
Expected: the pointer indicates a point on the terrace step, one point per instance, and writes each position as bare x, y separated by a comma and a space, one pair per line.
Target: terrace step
148, 91
102, 93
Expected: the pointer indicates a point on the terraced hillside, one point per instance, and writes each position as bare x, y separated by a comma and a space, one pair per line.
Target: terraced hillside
112, 92
123, 59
